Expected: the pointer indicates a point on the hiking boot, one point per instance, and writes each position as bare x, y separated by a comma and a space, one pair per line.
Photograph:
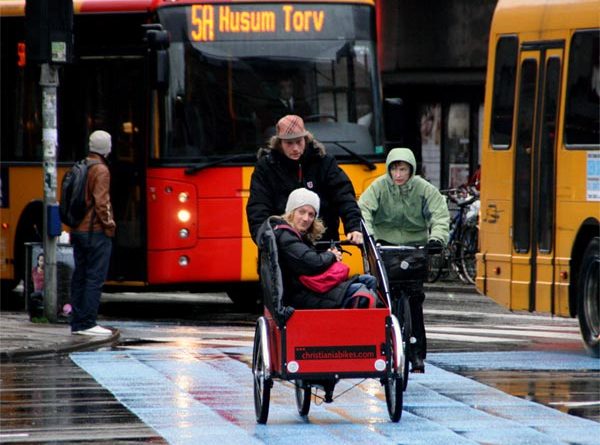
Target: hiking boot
417, 365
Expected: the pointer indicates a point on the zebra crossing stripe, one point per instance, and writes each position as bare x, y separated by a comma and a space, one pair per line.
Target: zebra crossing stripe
505, 332
469, 338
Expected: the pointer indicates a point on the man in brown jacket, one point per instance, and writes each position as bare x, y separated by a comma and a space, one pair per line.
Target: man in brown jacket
92, 240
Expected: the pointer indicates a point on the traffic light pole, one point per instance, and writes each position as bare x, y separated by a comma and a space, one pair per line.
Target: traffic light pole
49, 84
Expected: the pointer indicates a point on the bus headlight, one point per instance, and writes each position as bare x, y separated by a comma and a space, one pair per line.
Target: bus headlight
184, 216
183, 261
183, 197
184, 233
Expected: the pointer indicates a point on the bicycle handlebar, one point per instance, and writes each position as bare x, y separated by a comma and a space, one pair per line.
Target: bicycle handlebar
322, 245
399, 248
452, 194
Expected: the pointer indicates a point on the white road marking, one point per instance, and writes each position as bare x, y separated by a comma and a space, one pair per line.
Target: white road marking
505, 332
576, 404
469, 338
519, 316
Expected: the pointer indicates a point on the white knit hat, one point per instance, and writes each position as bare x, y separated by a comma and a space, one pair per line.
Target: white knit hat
100, 142
302, 197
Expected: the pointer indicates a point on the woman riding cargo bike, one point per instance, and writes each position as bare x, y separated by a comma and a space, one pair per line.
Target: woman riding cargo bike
308, 333
402, 209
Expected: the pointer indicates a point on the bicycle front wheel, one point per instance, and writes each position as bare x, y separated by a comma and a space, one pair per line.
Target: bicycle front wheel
468, 249
402, 313
435, 265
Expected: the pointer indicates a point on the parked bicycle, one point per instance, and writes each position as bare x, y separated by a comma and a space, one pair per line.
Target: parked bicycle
459, 254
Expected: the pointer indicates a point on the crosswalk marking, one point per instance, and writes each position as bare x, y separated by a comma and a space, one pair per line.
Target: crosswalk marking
519, 316
505, 332
573, 329
469, 338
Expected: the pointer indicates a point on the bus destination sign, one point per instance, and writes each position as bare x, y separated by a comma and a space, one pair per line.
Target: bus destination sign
222, 22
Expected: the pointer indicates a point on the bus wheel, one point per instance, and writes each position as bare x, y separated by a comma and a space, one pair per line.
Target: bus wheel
588, 298
246, 297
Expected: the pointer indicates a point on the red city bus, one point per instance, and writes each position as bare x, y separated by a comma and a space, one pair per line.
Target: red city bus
187, 115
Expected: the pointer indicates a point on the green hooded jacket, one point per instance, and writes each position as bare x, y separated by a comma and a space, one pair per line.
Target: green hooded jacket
408, 214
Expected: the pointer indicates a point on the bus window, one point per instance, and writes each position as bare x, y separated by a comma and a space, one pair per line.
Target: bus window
224, 93
505, 73
547, 146
20, 113
522, 196
582, 120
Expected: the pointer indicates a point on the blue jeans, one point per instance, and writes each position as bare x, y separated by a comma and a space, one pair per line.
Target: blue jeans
367, 280
92, 256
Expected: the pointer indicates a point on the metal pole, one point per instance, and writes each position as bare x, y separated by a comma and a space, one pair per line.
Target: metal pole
49, 83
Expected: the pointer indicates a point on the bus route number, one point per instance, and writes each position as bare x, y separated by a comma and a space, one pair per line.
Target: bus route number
205, 19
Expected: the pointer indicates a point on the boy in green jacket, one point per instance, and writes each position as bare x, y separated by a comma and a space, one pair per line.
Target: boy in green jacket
402, 208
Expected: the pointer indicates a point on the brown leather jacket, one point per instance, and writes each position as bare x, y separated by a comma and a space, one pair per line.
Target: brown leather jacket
98, 187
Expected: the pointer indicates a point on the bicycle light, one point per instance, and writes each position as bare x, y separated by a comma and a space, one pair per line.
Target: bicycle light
293, 366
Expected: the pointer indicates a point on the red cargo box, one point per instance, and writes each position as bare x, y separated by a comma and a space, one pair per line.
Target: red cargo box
335, 341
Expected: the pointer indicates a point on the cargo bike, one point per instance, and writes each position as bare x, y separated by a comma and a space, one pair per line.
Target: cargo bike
315, 348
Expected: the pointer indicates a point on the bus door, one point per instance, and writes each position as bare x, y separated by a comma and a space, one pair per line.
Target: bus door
534, 178
111, 94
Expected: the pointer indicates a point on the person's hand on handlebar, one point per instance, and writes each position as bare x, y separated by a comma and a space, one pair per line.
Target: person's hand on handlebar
337, 253
355, 237
434, 246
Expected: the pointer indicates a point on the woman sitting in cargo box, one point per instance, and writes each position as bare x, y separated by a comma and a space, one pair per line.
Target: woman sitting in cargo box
295, 232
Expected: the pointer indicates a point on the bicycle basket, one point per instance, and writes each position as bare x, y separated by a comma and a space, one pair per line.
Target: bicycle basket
405, 265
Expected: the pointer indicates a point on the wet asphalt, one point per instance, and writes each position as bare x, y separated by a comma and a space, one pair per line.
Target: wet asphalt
203, 349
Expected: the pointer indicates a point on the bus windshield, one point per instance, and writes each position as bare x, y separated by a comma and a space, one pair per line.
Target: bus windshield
232, 78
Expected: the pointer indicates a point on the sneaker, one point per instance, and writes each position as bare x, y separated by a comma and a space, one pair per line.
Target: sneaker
418, 367
95, 331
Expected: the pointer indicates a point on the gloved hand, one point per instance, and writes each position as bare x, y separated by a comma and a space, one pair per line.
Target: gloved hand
434, 246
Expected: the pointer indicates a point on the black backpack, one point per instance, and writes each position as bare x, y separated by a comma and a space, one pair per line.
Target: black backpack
72, 208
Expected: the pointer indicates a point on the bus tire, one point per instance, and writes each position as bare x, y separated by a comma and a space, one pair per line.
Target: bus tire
246, 297
588, 298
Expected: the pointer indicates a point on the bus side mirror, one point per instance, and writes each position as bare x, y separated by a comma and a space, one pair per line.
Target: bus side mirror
158, 44
393, 122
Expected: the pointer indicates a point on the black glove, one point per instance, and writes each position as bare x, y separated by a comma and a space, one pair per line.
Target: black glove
434, 246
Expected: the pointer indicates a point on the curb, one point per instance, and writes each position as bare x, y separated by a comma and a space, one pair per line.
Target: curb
450, 287
59, 348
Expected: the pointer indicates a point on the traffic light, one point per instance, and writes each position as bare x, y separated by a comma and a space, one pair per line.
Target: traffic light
49, 31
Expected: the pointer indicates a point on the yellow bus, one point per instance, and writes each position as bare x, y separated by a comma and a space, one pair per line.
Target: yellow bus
540, 186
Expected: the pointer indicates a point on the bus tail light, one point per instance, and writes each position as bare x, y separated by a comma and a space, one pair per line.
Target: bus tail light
172, 215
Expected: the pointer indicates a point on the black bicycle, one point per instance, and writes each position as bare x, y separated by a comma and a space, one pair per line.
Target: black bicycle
458, 256
406, 269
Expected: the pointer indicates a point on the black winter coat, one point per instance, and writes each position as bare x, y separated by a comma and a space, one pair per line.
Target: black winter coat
299, 257
276, 176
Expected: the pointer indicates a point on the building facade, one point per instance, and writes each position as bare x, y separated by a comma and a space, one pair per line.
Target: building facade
433, 62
